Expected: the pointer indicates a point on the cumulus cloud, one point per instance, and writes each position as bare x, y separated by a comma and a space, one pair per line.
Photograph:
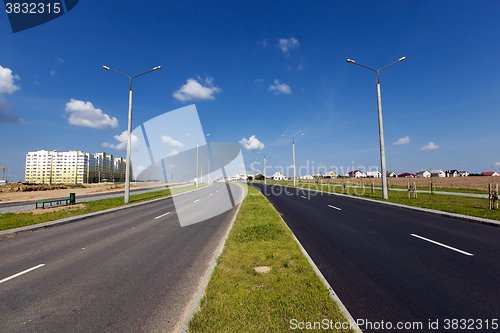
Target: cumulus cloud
171, 142
193, 90
85, 114
403, 141
53, 72
122, 139
497, 164
280, 88
430, 146
252, 143
288, 44
8, 86
173, 153
59, 61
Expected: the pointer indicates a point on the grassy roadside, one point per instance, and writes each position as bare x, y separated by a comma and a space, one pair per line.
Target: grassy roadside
238, 299
15, 220
471, 206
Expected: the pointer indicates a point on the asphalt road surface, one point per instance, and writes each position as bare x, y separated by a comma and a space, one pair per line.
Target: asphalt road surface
135, 270
393, 266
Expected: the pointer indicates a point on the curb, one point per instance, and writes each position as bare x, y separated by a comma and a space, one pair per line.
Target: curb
66, 220
196, 305
468, 218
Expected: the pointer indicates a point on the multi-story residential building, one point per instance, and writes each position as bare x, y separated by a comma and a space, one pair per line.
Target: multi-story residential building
73, 167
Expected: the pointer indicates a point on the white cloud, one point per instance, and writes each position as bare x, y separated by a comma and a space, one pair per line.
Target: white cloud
497, 164
173, 153
53, 72
403, 141
288, 44
85, 114
430, 146
171, 142
7, 86
252, 143
122, 139
193, 90
280, 88
141, 168
59, 61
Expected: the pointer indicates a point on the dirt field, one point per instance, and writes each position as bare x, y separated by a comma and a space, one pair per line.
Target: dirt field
28, 195
471, 182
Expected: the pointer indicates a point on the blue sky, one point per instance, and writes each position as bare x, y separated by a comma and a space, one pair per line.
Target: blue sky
263, 69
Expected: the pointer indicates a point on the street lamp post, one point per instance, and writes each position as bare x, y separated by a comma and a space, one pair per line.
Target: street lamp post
265, 178
293, 147
129, 137
380, 125
197, 154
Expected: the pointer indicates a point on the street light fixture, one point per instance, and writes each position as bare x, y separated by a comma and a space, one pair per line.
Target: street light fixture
380, 125
197, 154
129, 137
293, 145
265, 178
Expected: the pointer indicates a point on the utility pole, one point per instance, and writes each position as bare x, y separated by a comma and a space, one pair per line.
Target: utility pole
3, 172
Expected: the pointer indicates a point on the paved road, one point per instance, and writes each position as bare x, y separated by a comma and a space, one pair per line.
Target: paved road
21, 206
376, 259
135, 270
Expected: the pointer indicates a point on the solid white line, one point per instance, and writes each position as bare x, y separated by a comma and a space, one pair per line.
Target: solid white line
161, 216
334, 207
197, 200
443, 245
23, 272
303, 197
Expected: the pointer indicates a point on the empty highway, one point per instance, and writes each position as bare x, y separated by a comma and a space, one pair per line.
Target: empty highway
134, 270
396, 265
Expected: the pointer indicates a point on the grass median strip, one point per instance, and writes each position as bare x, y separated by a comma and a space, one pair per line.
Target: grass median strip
262, 281
15, 220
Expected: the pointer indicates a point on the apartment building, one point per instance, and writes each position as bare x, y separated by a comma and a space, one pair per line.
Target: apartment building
73, 167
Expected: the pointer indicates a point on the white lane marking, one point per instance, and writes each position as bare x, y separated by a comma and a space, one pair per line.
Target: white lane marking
334, 207
303, 197
443, 245
160, 216
23, 272
197, 200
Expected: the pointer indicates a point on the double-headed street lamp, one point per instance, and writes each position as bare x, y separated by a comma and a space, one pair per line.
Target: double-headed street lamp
293, 147
197, 153
265, 178
380, 125
129, 137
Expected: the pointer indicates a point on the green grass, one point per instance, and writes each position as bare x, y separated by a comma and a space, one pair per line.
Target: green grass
471, 206
15, 220
238, 299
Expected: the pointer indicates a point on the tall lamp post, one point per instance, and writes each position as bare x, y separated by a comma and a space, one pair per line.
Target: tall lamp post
265, 178
380, 125
129, 137
197, 153
293, 146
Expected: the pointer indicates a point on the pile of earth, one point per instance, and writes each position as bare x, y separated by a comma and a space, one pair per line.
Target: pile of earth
29, 188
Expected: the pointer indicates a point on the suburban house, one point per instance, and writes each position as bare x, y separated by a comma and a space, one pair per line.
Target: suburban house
317, 176
307, 177
452, 173
464, 174
331, 174
423, 174
279, 176
490, 173
374, 174
357, 174
407, 175
392, 174
438, 173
